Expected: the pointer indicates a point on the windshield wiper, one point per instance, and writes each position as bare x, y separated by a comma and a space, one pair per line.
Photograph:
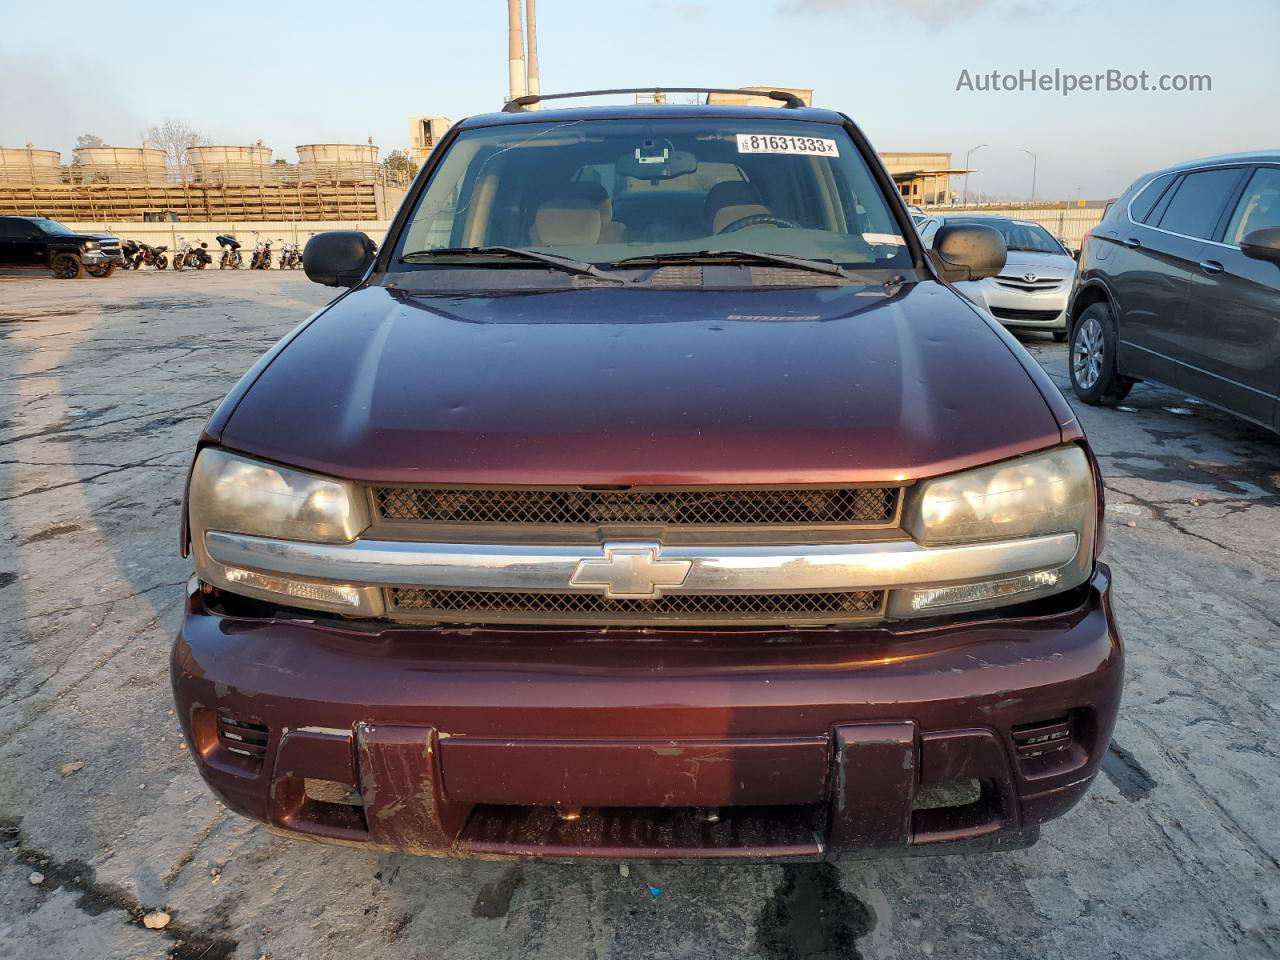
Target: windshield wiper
567, 264
729, 256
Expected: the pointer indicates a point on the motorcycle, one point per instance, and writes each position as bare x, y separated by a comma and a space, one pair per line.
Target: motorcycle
189, 255
129, 249
261, 259
290, 256
151, 257
231, 258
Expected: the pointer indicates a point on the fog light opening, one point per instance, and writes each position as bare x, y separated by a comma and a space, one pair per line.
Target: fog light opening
936, 796
301, 589
984, 591
331, 791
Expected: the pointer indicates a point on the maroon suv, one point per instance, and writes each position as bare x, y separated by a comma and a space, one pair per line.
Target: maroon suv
650, 493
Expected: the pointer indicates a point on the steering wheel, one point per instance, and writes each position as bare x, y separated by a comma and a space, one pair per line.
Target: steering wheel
754, 220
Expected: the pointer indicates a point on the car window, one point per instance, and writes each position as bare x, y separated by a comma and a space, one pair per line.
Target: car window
1198, 203
51, 226
1146, 201
9, 230
610, 189
1019, 235
1259, 206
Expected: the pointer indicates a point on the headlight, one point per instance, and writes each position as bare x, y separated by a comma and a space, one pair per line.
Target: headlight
236, 494
1033, 496
1043, 493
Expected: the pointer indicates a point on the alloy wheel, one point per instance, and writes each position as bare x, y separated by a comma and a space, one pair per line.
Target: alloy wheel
1088, 353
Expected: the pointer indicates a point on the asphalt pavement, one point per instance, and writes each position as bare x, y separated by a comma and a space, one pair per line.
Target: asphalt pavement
104, 385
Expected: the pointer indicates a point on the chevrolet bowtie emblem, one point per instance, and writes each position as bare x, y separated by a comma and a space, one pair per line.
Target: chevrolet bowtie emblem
630, 571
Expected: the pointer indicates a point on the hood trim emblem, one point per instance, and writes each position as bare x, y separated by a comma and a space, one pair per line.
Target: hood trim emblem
1030, 277
630, 571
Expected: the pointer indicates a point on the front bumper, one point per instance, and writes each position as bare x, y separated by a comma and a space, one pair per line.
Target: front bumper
101, 258
804, 743
1041, 310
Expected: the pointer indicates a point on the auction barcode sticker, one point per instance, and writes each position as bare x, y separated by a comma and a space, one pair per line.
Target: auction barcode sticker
776, 143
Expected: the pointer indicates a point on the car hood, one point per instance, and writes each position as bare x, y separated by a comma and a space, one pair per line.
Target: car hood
634, 386
1045, 264
80, 237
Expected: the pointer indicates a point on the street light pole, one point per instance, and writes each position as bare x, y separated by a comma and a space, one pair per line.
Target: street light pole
964, 199
1035, 162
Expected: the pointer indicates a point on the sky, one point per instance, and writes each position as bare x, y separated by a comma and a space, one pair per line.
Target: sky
320, 71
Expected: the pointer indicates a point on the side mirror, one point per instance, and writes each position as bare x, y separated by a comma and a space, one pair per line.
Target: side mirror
1262, 245
968, 252
338, 258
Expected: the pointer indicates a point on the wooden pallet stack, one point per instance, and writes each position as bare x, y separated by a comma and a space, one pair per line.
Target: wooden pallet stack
341, 200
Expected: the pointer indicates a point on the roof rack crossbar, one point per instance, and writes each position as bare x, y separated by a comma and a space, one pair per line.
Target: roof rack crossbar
517, 104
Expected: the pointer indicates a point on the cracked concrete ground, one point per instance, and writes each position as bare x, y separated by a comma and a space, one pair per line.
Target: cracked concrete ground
103, 388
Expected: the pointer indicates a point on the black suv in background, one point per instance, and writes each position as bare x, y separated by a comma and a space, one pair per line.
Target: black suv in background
1180, 284
42, 244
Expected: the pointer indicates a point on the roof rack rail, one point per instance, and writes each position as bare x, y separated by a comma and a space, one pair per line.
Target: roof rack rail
517, 104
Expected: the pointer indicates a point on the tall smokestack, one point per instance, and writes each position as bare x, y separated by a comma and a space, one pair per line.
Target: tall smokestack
531, 18
515, 49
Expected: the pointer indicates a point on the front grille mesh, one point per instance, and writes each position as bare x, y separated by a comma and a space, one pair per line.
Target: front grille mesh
746, 507
481, 605
1004, 313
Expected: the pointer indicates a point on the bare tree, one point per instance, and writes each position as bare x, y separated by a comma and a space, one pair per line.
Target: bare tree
82, 141
174, 137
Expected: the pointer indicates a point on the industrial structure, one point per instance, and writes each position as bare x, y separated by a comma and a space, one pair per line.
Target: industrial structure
132, 165
330, 181
25, 165
745, 99
923, 178
424, 133
230, 164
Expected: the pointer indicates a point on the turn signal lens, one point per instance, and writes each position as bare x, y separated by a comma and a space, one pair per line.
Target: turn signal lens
299, 589
983, 592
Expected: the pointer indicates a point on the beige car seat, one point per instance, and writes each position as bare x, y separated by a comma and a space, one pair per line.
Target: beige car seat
732, 200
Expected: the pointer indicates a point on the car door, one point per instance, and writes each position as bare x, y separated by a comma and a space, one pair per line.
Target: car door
8, 241
1230, 355
1152, 272
30, 245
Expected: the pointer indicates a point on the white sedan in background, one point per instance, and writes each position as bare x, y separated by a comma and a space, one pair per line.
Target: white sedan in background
1031, 291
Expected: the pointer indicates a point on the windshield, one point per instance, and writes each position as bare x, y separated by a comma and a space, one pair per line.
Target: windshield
1020, 235
604, 191
49, 226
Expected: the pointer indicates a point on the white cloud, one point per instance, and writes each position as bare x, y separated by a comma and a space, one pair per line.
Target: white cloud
935, 12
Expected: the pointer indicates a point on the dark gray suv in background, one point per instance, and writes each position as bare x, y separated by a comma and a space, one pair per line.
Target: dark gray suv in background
1180, 284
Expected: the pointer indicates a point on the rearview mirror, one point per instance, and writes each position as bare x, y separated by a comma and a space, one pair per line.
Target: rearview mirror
338, 258
965, 251
656, 160
1262, 245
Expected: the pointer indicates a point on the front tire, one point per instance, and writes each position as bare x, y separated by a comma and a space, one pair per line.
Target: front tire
103, 271
67, 266
1092, 359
